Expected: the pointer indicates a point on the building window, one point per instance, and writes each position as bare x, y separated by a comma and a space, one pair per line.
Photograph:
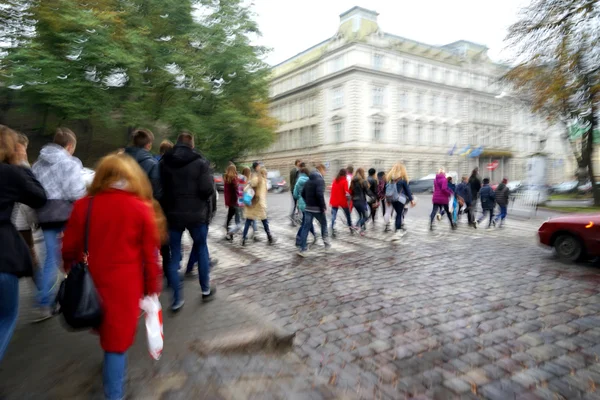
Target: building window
418, 102
338, 132
402, 103
378, 61
434, 103
377, 131
420, 136
403, 132
429, 134
338, 98
405, 67
378, 94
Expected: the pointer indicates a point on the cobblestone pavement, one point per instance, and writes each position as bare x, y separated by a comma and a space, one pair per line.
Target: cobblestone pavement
439, 315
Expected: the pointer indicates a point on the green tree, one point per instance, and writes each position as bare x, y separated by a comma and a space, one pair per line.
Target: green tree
557, 68
176, 64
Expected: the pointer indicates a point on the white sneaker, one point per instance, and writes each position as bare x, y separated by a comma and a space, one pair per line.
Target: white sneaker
438, 216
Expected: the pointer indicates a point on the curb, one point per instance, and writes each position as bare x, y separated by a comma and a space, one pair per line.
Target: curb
248, 341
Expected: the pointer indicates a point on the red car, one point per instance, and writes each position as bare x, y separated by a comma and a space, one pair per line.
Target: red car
573, 236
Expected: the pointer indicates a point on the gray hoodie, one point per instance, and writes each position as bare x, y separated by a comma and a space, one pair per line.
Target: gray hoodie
61, 176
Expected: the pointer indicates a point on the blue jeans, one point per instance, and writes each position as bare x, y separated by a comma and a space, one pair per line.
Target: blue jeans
199, 235
503, 213
47, 276
399, 207
113, 375
251, 222
299, 234
9, 308
307, 224
334, 212
361, 208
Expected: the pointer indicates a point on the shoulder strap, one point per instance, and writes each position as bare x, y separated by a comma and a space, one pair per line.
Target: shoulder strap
87, 228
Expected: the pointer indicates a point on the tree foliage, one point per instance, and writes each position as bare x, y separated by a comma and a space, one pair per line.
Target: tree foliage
178, 64
558, 67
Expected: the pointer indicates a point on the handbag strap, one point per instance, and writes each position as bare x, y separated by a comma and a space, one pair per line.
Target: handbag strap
87, 230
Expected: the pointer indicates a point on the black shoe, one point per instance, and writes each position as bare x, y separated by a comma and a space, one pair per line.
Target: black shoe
272, 240
211, 296
431, 227
454, 227
244, 242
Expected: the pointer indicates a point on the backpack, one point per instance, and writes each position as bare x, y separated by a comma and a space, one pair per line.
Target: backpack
392, 195
391, 192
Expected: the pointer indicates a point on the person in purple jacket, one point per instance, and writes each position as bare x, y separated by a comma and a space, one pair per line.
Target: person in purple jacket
441, 196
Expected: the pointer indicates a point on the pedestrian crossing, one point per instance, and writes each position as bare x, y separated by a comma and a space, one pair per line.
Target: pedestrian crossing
376, 238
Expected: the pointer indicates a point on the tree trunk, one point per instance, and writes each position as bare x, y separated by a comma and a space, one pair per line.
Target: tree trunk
589, 155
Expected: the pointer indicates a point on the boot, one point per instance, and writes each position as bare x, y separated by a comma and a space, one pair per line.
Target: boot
272, 240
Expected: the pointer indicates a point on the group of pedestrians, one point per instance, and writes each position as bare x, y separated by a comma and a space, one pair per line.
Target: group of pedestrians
136, 204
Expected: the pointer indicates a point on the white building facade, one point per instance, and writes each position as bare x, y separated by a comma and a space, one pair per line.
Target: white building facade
370, 99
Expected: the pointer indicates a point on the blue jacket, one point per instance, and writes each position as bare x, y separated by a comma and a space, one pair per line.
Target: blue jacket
488, 197
464, 190
300, 182
452, 187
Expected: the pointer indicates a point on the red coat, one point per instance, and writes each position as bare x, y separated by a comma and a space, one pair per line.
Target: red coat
339, 189
123, 259
230, 192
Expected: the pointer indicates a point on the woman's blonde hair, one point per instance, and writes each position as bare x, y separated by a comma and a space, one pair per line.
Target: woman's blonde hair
231, 174
8, 144
121, 169
398, 171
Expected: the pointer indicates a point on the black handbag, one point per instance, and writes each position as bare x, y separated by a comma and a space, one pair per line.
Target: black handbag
79, 301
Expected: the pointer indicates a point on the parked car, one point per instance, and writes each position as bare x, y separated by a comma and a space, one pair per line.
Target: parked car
278, 184
219, 182
421, 186
573, 237
565, 187
514, 186
586, 188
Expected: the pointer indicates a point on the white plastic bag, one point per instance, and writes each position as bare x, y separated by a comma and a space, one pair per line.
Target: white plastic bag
154, 325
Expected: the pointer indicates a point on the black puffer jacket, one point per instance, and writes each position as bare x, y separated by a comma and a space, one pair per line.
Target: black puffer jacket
17, 184
189, 196
150, 166
313, 193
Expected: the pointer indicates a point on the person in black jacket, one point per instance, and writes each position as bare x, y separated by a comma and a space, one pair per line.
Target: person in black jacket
313, 194
140, 151
17, 185
189, 201
359, 190
475, 184
373, 201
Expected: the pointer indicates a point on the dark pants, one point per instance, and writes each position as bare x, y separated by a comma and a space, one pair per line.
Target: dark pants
469, 210
231, 213
373, 209
299, 234
334, 212
308, 222
251, 222
361, 208
383, 203
439, 207
294, 202
9, 308
399, 208
486, 211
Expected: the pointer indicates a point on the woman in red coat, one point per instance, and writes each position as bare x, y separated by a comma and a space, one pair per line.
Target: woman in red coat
123, 255
339, 199
230, 192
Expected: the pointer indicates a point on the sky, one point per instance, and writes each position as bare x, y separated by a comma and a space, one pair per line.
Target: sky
292, 26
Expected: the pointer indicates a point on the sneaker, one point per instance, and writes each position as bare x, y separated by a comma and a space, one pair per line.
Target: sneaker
399, 234
438, 216
327, 245
229, 237
333, 233
272, 240
177, 305
475, 224
454, 226
244, 242
213, 262
42, 314
210, 296
303, 253
193, 274
363, 232
387, 227
292, 220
